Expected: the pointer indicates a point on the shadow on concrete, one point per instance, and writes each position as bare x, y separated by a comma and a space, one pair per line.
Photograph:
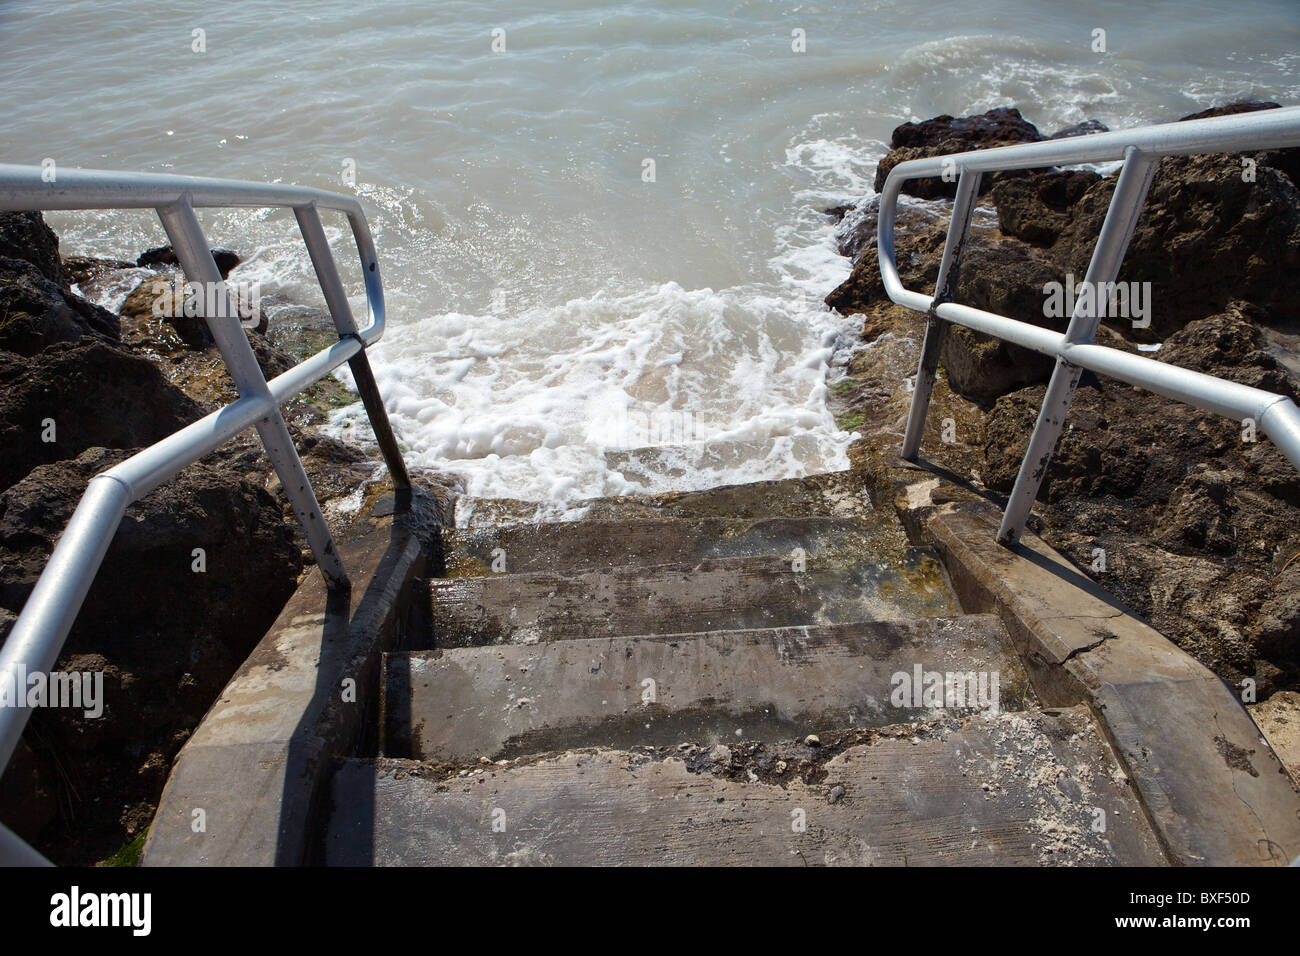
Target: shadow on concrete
354, 636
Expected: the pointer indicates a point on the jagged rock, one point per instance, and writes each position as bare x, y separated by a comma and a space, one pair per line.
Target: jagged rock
36, 312
1086, 128
161, 300
164, 256
1193, 518
96, 393
997, 126
858, 241
24, 235
1037, 208
166, 637
944, 135
1245, 106
87, 268
1206, 236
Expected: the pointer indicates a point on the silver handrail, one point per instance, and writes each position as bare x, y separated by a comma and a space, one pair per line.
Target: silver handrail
1074, 350
37, 637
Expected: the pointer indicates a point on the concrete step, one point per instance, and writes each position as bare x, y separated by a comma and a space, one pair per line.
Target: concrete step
720, 687
1021, 788
829, 495
717, 594
701, 459
564, 546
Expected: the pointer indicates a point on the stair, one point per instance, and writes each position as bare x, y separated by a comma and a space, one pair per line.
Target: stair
981, 791
658, 690
719, 676
694, 460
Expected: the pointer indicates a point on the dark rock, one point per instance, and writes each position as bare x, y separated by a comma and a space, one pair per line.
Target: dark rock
36, 312
164, 256
97, 393
24, 235
1006, 278
84, 269
944, 135
163, 299
1194, 519
1205, 237
166, 637
1037, 208
837, 213
1086, 128
1245, 106
859, 239
996, 127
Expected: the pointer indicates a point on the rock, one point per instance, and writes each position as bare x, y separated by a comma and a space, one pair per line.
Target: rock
1206, 236
88, 269
1279, 720
837, 791
837, 213
1086, 128
1037, 208
161, 300
163, 256
1194, 521
166, 637
297, 330
37, 312
858, 240
25, 236
95, 392
996, 127
944, 135
1245, 106
153, 318
812, 740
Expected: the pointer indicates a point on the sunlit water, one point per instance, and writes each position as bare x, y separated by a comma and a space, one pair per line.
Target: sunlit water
547, 303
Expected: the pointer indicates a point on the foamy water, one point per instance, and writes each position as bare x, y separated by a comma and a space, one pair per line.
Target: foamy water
548, 306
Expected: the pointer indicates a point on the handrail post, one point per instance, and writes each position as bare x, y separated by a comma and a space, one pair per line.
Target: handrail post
1116, 231
963, 208
336, 299
191, 248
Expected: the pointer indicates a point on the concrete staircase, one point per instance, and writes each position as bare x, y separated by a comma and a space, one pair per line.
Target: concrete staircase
663, 684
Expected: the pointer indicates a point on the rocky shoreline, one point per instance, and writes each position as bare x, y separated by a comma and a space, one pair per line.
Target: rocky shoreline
1175, 511
166, 637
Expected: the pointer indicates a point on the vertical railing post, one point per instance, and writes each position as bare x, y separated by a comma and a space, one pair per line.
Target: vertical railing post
1116, 231
336, 299
963, 208
191, 248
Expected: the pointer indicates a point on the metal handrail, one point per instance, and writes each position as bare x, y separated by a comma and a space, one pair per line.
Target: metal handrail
1074, 350
37, 637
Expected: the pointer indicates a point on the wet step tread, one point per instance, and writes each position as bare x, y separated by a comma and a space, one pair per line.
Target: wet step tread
594, 544
503, 701
717, 594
